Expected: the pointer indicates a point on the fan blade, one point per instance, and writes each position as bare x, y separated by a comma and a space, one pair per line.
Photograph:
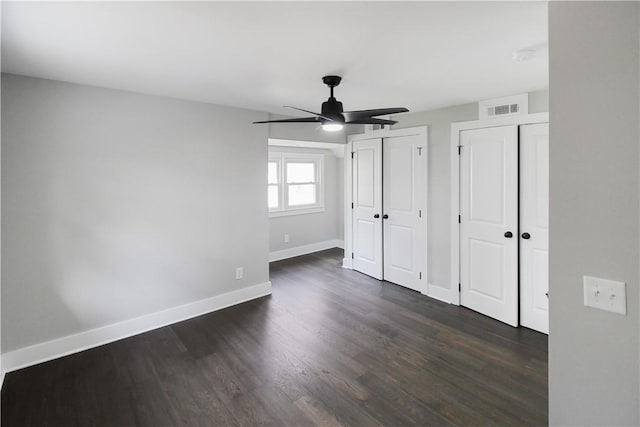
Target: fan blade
350, 115
307, 111
296, 120
370, 121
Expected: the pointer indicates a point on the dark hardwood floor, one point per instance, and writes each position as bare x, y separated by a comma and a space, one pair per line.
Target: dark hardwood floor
329, 347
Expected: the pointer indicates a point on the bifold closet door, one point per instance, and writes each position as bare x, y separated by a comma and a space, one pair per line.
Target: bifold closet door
367, 207
404, 216
534, 226
489, 222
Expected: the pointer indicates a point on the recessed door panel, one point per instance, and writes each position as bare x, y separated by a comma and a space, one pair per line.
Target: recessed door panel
534, 226
489, 222
486, 269
486, 182
366, 240
401, 238
398, 159
365, 178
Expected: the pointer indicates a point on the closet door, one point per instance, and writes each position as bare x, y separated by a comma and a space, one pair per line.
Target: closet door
367, 207
534, 226
404, 213
489, 222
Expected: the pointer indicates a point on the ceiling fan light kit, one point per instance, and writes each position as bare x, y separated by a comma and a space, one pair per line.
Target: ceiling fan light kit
333, 117
332, 127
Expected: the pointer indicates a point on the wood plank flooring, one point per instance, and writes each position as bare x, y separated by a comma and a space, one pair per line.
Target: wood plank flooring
330, 347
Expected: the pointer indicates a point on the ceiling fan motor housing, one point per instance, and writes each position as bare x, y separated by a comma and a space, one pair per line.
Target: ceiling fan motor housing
332, 109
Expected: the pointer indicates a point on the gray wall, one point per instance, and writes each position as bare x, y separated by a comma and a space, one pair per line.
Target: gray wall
594, 210
314, 227
115, 205
439, 122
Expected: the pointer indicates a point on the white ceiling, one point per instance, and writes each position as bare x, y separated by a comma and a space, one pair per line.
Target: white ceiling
263, 55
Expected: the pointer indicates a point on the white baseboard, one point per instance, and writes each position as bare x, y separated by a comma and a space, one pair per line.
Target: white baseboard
53, 349
441, 294
305, 249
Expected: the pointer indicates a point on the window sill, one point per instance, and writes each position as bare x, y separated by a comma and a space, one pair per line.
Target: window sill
301, 211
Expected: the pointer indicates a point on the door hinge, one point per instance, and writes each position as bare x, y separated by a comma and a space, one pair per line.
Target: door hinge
419, 213
352, 153
459, 219
459, 287
351, 205
459, 149
419, 151
351, 255
420, 275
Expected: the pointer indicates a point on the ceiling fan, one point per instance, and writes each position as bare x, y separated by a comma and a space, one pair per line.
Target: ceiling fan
333, 118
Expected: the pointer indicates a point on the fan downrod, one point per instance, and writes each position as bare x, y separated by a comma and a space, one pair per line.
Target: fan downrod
331, 81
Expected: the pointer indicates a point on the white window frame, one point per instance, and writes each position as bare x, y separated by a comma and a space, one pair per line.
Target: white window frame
282, 159
279, 184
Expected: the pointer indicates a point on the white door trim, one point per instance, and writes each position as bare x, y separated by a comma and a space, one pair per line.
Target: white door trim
456, 128
348, 184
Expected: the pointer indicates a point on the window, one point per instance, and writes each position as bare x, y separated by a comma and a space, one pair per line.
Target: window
294, 184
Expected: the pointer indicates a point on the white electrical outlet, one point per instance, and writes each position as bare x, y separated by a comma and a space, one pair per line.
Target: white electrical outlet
605, 294
239, 273
286, 238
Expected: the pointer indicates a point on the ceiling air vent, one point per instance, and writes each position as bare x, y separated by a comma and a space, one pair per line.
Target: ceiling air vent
500, 107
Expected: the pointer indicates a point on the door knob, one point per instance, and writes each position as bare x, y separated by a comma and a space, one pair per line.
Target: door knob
385, 216
376, 216
508, 234
526, 236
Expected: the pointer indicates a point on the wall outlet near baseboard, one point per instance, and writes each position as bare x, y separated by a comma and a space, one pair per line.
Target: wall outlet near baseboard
286, 238
239, 273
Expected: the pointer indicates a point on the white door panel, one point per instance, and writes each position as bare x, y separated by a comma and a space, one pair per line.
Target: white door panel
366, 176
367, 203
486, 263
400, 238
534, 220
365, 234
404, 189
487, 174
489, 209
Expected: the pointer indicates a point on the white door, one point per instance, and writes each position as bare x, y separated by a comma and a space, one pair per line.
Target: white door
534, 226
404, 213
489, 222
367, 207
